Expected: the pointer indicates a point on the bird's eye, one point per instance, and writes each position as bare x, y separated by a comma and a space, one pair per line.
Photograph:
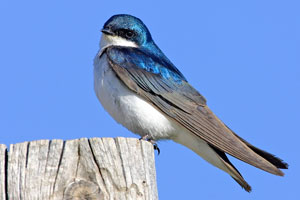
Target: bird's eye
125, 33
129, 34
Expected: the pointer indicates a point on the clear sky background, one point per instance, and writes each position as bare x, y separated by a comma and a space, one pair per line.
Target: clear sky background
243, 56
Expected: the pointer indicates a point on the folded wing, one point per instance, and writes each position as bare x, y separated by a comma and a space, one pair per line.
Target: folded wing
168, 90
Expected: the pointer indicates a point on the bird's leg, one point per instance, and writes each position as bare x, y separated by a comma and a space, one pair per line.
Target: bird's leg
153, 142
146, 137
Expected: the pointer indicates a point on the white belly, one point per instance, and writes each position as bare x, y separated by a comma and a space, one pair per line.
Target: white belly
127, 108
136, 114
142, 118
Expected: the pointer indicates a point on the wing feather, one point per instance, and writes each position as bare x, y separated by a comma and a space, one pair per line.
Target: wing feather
179, 100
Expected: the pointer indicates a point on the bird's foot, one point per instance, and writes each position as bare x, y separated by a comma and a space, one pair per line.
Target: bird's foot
153, 142
155, 146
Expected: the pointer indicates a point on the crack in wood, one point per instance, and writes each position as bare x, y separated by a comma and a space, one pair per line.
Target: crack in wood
59, 163
27, 152
123, 169
5, 174
96, 163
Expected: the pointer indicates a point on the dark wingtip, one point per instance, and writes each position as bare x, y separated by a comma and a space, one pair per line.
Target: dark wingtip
284, 165
248, 188
279, 163
243, 184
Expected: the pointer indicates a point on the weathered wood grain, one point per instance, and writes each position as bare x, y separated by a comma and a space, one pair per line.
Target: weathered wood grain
2, 171
97, 168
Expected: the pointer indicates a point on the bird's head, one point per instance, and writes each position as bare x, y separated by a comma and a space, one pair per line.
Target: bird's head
125, 30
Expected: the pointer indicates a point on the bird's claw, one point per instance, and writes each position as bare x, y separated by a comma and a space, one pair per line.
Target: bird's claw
155, 146
153, 142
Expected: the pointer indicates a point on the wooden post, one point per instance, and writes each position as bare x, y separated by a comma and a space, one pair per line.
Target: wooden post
92, 169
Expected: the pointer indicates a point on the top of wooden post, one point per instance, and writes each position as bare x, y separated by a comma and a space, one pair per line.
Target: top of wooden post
96, 168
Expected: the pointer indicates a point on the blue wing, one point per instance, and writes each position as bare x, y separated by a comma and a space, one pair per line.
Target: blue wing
160, 83
154, 75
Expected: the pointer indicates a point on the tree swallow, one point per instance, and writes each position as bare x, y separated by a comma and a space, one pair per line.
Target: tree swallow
142, 90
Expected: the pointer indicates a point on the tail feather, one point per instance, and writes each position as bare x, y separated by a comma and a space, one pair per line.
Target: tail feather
234, 173
279, 163
212, 155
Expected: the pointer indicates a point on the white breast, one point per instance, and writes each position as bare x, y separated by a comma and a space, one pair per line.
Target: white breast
142, 118
136, 114
126, 107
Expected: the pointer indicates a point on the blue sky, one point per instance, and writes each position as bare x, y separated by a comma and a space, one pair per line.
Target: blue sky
243, 56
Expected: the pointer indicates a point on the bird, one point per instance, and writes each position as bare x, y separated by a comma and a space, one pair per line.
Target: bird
143, 91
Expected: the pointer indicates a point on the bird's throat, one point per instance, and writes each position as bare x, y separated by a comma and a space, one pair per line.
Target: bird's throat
113, 40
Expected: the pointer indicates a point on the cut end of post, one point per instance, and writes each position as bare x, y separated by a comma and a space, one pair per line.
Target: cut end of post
97, 168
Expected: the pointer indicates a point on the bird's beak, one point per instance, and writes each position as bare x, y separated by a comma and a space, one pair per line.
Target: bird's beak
107, 31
